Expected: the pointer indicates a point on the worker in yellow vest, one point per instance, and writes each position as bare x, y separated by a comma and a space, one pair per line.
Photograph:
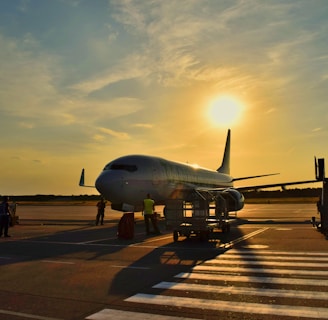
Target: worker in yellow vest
149, 214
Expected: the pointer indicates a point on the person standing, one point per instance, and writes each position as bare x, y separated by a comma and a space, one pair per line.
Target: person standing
149, 214
12, 217
101, 205
4, 217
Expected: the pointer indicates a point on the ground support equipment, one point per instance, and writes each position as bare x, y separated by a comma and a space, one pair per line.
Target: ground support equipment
200, 215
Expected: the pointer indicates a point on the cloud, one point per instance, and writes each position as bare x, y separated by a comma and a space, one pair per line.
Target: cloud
144, 125
131, 67
115, 134
26, 125
26, 78
271, 110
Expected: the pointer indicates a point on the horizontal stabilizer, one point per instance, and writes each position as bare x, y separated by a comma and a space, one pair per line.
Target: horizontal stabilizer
252, 177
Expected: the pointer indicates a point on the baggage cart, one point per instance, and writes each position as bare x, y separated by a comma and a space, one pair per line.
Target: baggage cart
198, 216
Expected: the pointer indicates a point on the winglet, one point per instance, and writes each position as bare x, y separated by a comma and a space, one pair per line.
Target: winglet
225, 166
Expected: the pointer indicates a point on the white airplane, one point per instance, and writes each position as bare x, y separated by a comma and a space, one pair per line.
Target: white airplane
126, 181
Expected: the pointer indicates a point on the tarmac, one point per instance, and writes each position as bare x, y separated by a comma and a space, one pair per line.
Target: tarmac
59, 265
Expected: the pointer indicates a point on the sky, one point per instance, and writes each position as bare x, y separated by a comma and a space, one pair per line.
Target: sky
83, 82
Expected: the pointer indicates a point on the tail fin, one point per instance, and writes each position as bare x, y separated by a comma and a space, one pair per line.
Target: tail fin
81, 183
225, 166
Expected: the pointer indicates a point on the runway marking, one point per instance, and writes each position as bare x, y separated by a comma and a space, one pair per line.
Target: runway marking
130, 245
150, 240
256, 246
125, 315
271, 252
233, 278
268, 263
211, 273
314, 295
210, 268
96, 240
55, 261
26, 315
122, 245
245, 237
255, 256
251, 308
129, 267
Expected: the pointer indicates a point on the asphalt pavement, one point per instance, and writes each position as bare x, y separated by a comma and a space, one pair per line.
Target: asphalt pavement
273, 264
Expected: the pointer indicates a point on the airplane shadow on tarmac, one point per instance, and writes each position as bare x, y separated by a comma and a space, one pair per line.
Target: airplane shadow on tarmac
168, 259
145, 261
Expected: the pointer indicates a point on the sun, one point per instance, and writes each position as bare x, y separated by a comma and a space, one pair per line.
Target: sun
225, 111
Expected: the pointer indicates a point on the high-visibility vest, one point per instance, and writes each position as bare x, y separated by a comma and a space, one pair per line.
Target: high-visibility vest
148, 206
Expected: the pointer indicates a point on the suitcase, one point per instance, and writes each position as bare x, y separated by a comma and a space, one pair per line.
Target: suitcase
126, 226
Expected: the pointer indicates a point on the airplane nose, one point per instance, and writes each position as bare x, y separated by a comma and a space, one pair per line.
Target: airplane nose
102, 184
109, 185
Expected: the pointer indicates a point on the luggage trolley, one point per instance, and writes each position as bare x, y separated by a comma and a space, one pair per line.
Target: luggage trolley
194, 216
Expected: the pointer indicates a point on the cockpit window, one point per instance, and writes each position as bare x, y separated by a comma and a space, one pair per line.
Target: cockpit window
126, 167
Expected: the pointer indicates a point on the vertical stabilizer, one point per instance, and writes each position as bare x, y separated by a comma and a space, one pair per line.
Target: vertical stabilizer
81, 183
225, 166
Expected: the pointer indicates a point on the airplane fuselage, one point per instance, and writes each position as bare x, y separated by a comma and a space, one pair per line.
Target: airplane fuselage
127, 180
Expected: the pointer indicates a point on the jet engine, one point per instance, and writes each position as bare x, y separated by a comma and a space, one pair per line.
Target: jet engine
234, 199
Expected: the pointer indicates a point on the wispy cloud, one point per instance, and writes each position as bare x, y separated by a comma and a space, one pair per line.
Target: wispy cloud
131, 67
144, 125
115, 134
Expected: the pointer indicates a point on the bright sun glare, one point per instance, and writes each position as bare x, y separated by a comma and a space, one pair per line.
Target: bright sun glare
224, 111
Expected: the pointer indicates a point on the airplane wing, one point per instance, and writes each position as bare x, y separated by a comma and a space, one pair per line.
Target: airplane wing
281, 184
319, 175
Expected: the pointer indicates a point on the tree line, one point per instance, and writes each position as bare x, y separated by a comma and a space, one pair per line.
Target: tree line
287, 193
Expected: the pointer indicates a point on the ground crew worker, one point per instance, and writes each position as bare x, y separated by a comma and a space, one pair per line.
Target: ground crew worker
4, 217
101, 205
149, 214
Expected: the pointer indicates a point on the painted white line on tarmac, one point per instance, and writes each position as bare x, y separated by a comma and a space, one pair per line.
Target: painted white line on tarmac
269, 263
26, 315
57, 261
96, 240
139, 245
142, 244
129, 267
225, 277
273, 257
109, 314
210, 268
269, 252
206, 288
245, 237
250, 308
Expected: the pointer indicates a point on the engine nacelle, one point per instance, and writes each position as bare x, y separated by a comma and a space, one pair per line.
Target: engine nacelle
234, 199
